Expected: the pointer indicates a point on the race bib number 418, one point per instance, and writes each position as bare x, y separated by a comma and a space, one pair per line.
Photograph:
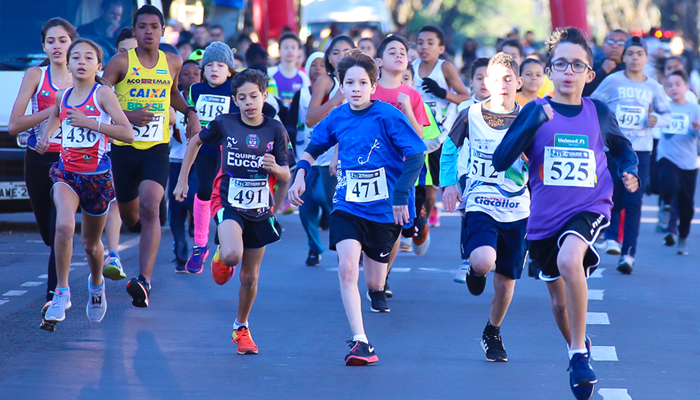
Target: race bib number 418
569, 167
366, 186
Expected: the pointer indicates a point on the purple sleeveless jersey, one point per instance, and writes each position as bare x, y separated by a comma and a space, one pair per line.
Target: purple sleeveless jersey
553, 206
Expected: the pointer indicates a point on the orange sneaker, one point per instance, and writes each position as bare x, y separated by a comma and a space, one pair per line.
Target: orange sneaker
242, 338
221, 272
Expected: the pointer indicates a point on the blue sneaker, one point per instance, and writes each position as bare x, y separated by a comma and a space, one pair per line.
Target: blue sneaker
461, 276
195, 264
582, 379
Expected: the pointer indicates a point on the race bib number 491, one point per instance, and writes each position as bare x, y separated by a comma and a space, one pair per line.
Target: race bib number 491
366, 186
249, 194
569, 167
153, 132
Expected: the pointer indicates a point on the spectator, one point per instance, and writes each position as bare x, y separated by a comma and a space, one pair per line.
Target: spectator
614, 44
229, 14
469, 49
107, 24
244, 43
185, 49
368, 47
528, 43
217, 33
201, 38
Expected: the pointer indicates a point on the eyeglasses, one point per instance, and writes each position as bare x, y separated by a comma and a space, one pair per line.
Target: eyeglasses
611, 42
578, 67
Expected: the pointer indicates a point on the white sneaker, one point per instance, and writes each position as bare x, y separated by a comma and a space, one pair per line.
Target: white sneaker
97, 303
420, 249
59, 304
600, 245
612, 247
461, 276
626, 264
406, 245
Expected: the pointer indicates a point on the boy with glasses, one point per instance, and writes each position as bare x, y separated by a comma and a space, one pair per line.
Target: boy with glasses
614, 43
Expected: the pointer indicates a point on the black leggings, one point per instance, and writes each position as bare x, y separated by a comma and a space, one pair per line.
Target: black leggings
206, 169
39, 183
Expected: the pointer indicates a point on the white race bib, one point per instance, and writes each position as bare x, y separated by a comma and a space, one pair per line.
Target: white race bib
481, 168
249, 194
153, 132
569, 167
75, 137
679, 125
366, 186
631, 117
211, 106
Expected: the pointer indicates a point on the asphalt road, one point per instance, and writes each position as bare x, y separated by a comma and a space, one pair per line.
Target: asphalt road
428, 346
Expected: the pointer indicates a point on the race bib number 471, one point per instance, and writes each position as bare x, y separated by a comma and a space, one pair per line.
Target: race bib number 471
153, 132
569, 167
366, 186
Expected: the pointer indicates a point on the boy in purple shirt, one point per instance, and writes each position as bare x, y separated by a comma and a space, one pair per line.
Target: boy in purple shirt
289, 79
563, 138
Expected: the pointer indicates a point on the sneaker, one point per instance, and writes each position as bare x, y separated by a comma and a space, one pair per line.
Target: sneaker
378, 299
422, 241
57, 309
434, 219
195, 264
97, 303
49, 326
221, 272
112, 269
387, 290
493, 348
612, 247
600, 244
286, 208
140, 291
683, 246
361, 353
313, 260
475, 283
664, 215
670, 239
461, 276
244, 341
406, 245
180, 267
626, 264
582, 379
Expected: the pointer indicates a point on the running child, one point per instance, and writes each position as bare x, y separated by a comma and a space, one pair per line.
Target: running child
289, 79
379, 157
496, 204
678, 161
39, 86
88, 114
564, 138
532, 73
639, 104
253, 147
368, 47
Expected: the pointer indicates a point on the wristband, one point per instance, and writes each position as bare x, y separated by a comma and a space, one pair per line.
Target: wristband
305, 165
98, 126
187, 111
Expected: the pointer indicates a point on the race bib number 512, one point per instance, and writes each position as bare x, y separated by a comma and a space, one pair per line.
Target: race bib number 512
569, 167
482, 169
366, 186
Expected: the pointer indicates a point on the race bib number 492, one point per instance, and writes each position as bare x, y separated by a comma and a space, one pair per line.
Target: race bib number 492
569, 167
366, 186
631, 117
249, 194
153, 132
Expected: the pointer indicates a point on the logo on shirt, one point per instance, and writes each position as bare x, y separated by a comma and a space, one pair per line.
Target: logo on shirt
496, 202
231, 142
374, 146
135, 71
252, 141
44, 93
89, 108
270, 146
87, 157
161, 71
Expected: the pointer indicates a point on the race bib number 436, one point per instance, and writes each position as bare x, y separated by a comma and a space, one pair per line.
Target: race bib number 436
366, 186
75, 137
249, 194
153, 132
569, 167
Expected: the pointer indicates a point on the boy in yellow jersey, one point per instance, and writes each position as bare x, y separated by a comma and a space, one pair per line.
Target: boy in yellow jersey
145, 80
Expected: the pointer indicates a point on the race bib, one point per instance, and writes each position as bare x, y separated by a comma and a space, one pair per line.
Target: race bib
211, 106
679, 125
481, 168
249, 194
631, 117
153, 132
569, 167
366, 186
75, 137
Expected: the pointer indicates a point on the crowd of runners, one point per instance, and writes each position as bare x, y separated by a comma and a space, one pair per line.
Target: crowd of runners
360, 141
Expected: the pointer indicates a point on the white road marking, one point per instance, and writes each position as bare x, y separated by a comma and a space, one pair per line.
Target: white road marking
4, 301
129, 243
654, 208
614, 394
604, 353
78, 264
597, 318
336, 269
43, 276
31, 284
598, 273
400, 270
35, 241
15, 293
646, 220
595, 294
24, 254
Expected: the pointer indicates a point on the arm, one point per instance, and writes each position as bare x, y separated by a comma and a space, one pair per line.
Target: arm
18, 121
520, 134
120, 129
409, 174
661, 110
52, 126
405, 101
318, 110
276, 162
452, 78
178, 102
620, 148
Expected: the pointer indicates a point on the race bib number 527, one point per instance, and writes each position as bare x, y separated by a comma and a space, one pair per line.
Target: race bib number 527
569, 167
153, 132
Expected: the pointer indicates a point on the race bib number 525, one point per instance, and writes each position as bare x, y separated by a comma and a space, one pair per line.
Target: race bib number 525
569, 167
366, 186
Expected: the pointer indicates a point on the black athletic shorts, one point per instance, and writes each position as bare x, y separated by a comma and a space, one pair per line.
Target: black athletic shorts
586, 225
377, 238
256, 234
434, 166
132, 166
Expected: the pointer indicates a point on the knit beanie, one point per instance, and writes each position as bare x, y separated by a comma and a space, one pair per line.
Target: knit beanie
218, 51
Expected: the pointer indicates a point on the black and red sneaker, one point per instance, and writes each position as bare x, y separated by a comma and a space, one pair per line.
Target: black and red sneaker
140, 291
361, 353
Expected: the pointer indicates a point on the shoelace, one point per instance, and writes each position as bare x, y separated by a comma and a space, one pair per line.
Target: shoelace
96, 298
492, 341
56, 304
582, 360
351, 343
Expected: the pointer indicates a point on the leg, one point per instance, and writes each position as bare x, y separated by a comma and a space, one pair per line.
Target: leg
557, 296
230, 242
633, 207
686, 202
308, 212
66, 204
52, 281
570, 262
375, 274
482, 259
91, 230
503, 295
250, 270
348, 272
150, 195
430, 199
112, 227
129, 211
613, 231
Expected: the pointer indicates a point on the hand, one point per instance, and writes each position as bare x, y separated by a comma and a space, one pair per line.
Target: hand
548, 110
401, 215
651, 121
113, 26
180, 191
193, 124
42, 144
609, 65
696, 125
298, 188
432, 87
631, 182
140, 117
269, 163
404, 101
524, 157
451, 197
339, 97
78, 119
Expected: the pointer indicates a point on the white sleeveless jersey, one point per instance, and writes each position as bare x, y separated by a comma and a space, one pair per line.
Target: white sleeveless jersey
445, 111
502, 195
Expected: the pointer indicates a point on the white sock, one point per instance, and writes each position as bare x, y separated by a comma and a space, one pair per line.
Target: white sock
360, 338
237, 324
574, 351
